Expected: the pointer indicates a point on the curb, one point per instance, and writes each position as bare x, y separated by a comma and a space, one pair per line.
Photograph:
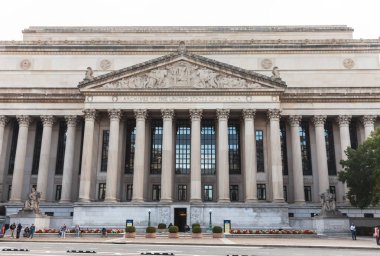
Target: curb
80, 251
15, 250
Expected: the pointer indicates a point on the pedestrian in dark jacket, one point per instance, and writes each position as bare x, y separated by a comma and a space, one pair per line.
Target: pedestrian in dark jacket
18, 230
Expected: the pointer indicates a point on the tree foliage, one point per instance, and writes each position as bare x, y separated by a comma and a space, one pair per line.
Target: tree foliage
361, 172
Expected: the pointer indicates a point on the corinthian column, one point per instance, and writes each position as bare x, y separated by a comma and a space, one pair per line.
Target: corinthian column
43, 168
223, 166
369, 125
299, 195
68, 162
167, 154
275, 152
139, 170
345, 142
250, 164
3, 121
87, 154
195, 175
320, 142
113, 156
18, 171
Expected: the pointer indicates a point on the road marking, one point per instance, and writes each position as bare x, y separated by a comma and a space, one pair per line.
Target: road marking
227, 241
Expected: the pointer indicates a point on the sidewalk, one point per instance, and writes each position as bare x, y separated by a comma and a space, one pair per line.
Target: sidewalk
315, 242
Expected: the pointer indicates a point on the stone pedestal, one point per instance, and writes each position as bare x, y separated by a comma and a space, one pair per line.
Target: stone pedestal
27, 218
332, 225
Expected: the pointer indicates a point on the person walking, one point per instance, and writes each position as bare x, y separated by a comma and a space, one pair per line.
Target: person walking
77, 231
32, 230
376, 235
63, 231
13, 227
353, 231
18, 230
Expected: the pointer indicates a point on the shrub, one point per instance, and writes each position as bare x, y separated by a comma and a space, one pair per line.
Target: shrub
150, 230
130, 229
197, 229
217, 229
173, 229
161, 226
195, 225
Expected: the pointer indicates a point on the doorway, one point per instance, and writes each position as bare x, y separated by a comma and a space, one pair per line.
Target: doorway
180, 217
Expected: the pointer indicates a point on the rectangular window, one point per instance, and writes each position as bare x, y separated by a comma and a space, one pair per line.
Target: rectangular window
305, 148
12, 156
234, 146
234, 193
285, 193
182, 147
260, 150
284, 153
208, 193
156, 147
208, 147
129, 192
156, 192
102, 191
182, 192
58, 191
9, 192
37, 148
61, 148
307, 190
106, 137
130, 147
329, 137
261, 192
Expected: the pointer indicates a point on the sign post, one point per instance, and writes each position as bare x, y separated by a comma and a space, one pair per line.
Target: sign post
227, 226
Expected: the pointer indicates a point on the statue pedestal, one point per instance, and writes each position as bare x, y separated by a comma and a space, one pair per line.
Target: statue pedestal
27, 218
332, 225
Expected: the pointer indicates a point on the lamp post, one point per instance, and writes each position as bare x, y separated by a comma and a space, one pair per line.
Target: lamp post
210, 223
149, 211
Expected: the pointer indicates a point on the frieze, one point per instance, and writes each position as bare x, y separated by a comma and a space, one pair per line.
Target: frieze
181, 74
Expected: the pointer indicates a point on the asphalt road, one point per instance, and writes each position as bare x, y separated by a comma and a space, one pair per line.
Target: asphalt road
36, 248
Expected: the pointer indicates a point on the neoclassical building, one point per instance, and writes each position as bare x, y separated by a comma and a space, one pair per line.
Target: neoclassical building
184, 124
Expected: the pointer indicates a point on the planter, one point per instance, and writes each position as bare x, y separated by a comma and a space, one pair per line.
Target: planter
150, 235
196, 235
173, 235
217, 235
130, 235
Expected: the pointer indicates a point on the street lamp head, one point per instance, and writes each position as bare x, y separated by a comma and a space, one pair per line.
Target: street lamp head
149, 211
210, 211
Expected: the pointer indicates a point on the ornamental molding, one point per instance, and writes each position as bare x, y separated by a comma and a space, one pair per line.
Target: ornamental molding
343, 120
3, 120
71, 121
114, 114
319, 120
89, 114
195, 114
140, 114
249, 113
273, 114
222, 113
368, 120
23, 120
295, 120
47, 121
167, 114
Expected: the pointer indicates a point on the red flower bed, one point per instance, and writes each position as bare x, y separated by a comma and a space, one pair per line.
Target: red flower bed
272, 231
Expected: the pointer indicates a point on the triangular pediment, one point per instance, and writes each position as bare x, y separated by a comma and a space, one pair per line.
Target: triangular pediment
181, 71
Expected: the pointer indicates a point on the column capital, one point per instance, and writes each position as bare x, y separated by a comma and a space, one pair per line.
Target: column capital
47, 121
23, 120
295, 120
343, 120
222, 113
167, 114
140, 114
319, 120
71, 121
368, 119
249, 113
89, 114
273, 114
195, 114
3, 120
114, 114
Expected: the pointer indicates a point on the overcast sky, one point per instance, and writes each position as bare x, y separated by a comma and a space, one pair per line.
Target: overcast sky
15, 15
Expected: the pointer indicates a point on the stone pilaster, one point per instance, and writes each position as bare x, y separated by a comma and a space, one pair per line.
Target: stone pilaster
18, 171
43, 167
299, 195
320, 142
369, 124
275, 149
223, 166
195, 174
87, 155
139, 170
68, 162
113, 172
167, 156
250, 161
3, 122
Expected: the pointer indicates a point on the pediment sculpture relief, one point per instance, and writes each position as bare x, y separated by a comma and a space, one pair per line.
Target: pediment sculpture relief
182, 74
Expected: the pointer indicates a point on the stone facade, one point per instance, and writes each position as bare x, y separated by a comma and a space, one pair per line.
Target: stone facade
191, 123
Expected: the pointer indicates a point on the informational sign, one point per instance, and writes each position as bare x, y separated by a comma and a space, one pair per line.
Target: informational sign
227, 226
129, 223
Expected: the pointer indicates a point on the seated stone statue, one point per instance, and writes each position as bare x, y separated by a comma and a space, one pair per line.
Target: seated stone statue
89, 75
328, 204
33, 202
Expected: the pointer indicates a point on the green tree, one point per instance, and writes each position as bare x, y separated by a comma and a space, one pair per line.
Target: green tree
361, 172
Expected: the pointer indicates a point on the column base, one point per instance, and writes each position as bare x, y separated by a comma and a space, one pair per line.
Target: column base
224, 201
248, 201
299, 202
278, 201
110, 200
84, 200
65, 201
196, 201
15, 201
137, 200
167, 200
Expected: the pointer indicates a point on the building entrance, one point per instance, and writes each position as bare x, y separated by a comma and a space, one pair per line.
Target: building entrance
180, 216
